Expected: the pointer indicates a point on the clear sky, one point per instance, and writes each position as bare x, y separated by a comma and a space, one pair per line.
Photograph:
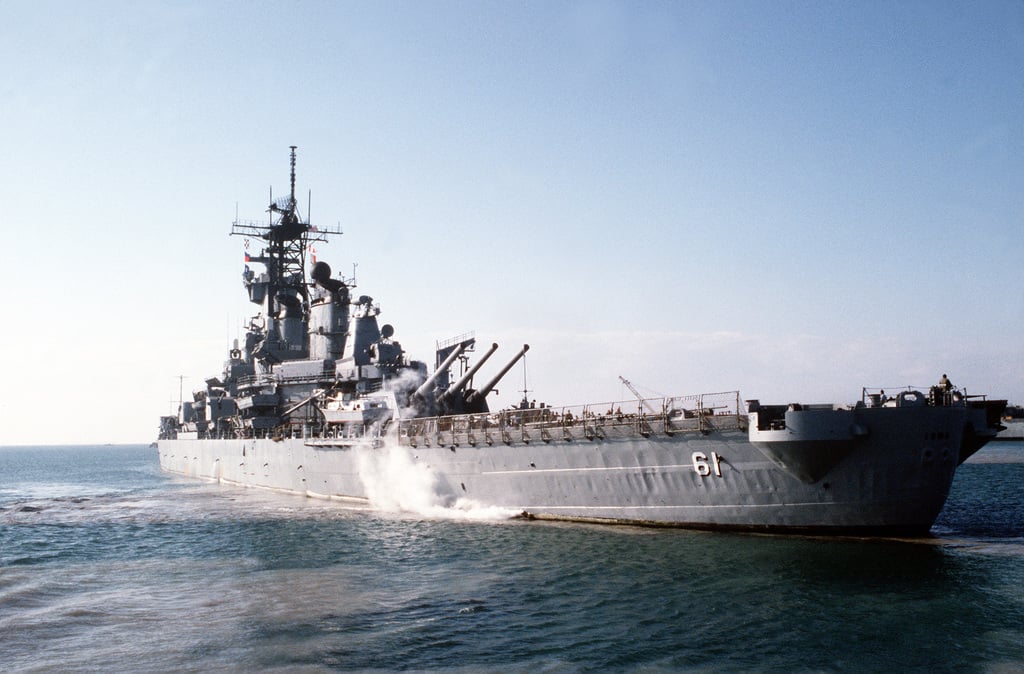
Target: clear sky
794, 200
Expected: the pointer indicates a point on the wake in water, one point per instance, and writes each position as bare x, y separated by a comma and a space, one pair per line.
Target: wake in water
396, 483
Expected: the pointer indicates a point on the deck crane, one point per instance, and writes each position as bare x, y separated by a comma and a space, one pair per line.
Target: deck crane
639, 397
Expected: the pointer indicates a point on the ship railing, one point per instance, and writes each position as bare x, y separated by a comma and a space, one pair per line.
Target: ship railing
302, 430
256, 380
703, 413
937, 396
458, 339
308, 378
252, 381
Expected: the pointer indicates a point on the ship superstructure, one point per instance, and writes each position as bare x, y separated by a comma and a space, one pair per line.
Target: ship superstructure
317, 390
314, 362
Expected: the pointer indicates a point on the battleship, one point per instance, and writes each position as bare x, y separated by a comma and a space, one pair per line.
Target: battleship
318, 395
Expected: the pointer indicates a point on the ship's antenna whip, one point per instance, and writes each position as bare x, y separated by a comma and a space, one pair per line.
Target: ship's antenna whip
525, 402
293, 174
181, 399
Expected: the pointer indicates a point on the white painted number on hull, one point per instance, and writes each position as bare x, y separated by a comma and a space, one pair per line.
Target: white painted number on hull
704, 467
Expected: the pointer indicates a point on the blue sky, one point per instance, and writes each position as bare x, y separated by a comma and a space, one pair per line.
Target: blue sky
790, 199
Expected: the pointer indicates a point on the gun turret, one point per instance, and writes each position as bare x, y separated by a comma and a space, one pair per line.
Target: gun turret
477, 398
460, 384
426, 386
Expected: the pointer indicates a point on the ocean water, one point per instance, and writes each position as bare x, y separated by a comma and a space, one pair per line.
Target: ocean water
106, 564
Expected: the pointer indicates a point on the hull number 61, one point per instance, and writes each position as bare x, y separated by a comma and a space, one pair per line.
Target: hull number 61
704, 466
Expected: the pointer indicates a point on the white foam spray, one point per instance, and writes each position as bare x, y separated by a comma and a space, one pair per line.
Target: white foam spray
396, 482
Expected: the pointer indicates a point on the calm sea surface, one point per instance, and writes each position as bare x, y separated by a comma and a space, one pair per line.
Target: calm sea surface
108, 564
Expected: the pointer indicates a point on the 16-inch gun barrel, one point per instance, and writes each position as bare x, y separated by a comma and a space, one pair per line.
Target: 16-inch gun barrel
481, 393
460, 384
426, 386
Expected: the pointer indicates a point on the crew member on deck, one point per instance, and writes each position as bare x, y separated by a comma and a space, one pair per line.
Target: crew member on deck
945, 384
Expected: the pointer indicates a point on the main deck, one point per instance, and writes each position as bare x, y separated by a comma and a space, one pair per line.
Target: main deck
695, 414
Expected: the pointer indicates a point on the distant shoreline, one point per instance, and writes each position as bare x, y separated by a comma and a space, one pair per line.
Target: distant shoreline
1014, 430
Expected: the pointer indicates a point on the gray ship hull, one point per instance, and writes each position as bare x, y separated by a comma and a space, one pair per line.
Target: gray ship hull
319, 398
891, 476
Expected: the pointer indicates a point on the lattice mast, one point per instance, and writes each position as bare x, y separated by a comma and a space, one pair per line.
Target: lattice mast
282, 290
